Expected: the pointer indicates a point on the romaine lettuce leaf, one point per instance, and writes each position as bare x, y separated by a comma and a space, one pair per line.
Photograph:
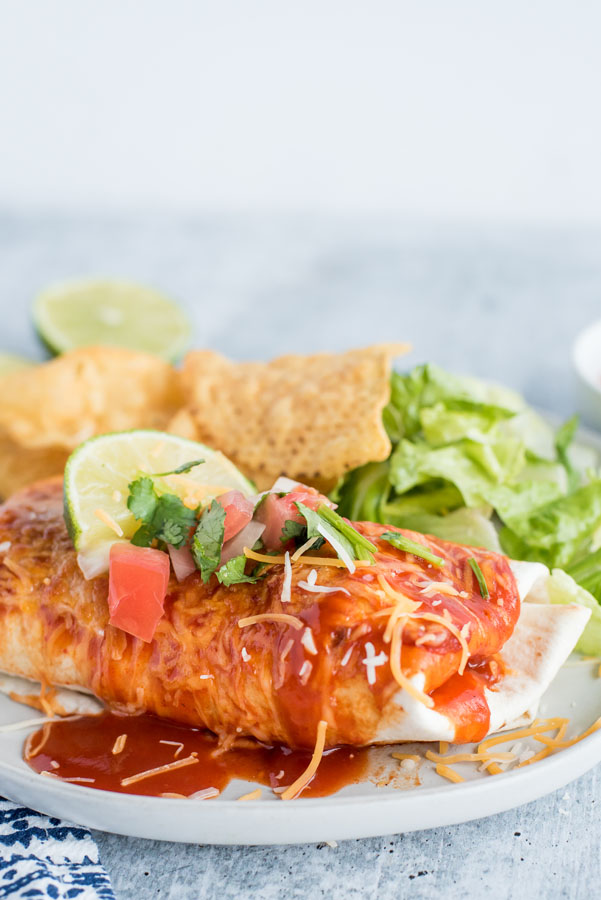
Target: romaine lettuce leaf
461, 445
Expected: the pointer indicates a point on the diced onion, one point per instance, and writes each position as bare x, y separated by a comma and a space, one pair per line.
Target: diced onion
182, 562
248, 537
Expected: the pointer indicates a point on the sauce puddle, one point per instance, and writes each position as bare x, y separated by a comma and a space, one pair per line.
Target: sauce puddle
93, 749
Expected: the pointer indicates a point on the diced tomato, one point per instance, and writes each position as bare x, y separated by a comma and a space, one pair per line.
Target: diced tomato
238, 512
138, 579
274, 511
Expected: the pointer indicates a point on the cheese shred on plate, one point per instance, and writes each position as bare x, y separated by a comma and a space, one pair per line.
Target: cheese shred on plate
449, 773
168, 767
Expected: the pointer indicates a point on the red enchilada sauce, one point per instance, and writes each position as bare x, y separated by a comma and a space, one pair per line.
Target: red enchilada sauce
83, 749
350, 621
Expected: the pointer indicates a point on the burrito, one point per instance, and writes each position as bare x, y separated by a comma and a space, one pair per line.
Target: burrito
427, 641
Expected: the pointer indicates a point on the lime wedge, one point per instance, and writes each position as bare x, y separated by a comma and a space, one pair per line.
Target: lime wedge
10, 362
118, 313
99, 471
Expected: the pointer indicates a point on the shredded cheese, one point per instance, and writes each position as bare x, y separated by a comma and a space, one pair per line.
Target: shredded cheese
438, 587
109, 521
303, 548
245, 654
371, 661
468, 757
400, 600
158, 770
397, 672
287, 583
557, 744
28, 751
287, 649
303, 780
177, 744
313, 560
449, 773
119, 744
28, 723
305, 672
403, 756
443, 746
271, 617
204, 794
538, 727
253, 795
347, 656
443, 620
308, 642
313, 588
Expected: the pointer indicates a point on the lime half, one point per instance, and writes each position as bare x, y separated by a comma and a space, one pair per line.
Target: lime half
99, 471
10, 362
118, 313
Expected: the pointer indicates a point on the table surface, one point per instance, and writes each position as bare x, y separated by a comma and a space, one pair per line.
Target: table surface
500, 302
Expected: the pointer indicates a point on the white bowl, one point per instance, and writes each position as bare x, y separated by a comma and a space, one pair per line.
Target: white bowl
586, 357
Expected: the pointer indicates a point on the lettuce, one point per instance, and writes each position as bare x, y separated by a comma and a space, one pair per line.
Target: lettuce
561, 588
463, 451
462, 526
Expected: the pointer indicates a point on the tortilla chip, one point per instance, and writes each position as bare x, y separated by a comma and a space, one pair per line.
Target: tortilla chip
20, 466
308, 417
88, 391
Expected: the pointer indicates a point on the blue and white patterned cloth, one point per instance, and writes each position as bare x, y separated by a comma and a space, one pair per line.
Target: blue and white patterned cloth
43, 857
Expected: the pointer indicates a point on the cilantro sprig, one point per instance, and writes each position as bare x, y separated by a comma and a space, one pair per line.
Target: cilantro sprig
163, 517
208, 540
232, 572
181, 470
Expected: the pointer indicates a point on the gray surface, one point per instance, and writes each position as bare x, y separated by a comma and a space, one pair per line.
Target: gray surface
503, 303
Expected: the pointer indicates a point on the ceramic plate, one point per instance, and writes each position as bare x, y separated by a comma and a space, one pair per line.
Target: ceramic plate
391, 800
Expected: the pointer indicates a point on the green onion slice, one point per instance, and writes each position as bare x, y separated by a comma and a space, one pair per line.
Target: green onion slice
404, 543
485, 593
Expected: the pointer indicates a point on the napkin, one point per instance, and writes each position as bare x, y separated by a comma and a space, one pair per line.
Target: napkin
42, 857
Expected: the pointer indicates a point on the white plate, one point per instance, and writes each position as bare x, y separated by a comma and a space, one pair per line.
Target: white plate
362, 810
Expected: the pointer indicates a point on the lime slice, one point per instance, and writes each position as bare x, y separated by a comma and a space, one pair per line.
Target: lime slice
10, 362
118, 313
99, 471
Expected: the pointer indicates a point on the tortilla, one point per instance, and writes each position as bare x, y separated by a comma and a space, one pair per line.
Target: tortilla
543, 639
311, 418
